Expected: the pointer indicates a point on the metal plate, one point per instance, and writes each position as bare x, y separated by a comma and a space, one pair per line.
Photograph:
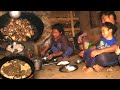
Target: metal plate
78, 61
62, 63
49, 62
11, 49
63, 69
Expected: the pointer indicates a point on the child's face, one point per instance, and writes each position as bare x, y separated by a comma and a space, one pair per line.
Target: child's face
108, 18
56, 34
105, 32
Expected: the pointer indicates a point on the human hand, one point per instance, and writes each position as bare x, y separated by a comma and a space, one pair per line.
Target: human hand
95, 53
42, 53
50, 56
117, 50
81, 53
80, 46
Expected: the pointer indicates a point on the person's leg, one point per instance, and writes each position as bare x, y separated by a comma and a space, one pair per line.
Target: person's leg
68, 52
90, 62
119, 60
107, 59
54, 49
87, 58
57, 48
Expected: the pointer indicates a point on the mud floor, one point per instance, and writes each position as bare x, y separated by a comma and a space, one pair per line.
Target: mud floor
52, 72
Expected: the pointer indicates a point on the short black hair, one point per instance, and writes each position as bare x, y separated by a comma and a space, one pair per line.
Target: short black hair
59, 27
109, 25
107, 13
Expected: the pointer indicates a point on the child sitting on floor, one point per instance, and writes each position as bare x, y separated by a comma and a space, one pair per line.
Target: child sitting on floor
107, 40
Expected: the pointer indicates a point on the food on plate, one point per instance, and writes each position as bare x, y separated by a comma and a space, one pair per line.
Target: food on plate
15, 47
70, 68
63, 63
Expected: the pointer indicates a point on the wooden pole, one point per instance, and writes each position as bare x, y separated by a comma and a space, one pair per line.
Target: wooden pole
72, 23
72, 26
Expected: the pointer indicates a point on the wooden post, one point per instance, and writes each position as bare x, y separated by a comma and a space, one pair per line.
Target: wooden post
72, 23
72, 26
85, 21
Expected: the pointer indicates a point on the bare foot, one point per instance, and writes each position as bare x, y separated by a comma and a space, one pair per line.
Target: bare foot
110, 69
97, 68
84, 67
90, 69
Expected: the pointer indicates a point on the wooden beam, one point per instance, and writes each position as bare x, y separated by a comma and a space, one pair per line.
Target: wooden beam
68, 29
62, 19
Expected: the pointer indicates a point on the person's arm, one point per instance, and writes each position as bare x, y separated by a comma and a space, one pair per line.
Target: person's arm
93, 47
55, 54
108, 49
47, 47
44, 50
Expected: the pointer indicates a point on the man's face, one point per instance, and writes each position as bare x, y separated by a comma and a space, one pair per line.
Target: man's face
108, 18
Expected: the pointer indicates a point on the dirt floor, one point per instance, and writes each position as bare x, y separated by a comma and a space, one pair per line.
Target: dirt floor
52, 72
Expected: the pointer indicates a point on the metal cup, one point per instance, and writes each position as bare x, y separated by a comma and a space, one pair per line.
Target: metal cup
37, 64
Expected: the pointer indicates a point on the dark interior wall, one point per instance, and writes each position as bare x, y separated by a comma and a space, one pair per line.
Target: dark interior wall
84, 20
94, 19
89, 20
85, 25
118, 16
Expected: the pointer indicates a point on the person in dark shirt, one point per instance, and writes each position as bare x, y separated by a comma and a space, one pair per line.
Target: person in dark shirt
59, 43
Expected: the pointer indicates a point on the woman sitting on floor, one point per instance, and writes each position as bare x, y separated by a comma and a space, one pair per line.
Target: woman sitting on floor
59, 43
